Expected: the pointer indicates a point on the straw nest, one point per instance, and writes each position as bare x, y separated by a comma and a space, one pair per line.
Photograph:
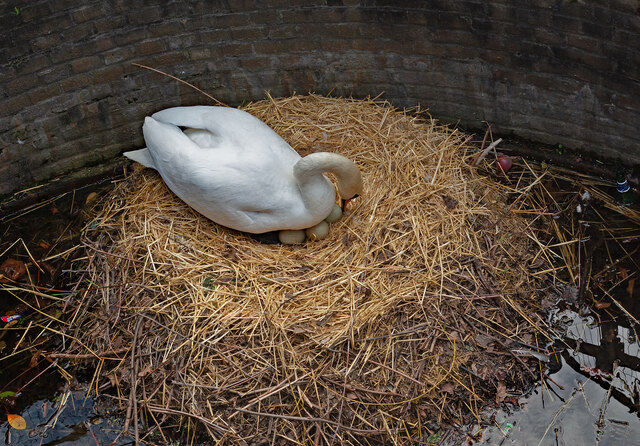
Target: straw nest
396, 323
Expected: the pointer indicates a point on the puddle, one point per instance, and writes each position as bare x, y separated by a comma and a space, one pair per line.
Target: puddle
591, 397
56, 409
70, 418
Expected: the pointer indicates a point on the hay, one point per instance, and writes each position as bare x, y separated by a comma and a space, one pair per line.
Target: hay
395, 323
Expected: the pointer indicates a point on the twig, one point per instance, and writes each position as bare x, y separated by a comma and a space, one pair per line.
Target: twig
85, 356
184, 82
486, 151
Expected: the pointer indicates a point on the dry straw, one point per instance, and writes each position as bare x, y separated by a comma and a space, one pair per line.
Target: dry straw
395, 323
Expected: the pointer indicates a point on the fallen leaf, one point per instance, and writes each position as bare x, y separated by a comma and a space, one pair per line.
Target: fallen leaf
601, 305
483, 340
13, 269
624, 272
447, 388
16, 421
501, 392
44, 245
630, 285
93, 196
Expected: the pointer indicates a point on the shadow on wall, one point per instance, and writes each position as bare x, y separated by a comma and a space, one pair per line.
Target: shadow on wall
563, 72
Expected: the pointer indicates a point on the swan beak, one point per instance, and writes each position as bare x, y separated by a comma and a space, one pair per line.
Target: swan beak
345, 202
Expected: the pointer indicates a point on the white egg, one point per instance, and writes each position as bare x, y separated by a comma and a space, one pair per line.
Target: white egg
334, 215
318, 232
291, 237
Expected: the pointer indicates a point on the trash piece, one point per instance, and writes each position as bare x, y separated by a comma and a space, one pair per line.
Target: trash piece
505, 162
526, 352
10, 318
625, 194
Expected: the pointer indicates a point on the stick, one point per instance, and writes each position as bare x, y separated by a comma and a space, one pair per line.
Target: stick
184, 82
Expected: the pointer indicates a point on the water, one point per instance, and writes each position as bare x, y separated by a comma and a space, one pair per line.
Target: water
582, 402
70, 418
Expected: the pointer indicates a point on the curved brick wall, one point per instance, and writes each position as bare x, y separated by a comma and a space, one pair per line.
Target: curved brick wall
556, 71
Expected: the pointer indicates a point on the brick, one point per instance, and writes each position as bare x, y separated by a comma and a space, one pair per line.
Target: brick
236, 49
21, 84
109, 22
87, 13
34, 63
85, 64
148, 47
199, 53
117, 54
15, 103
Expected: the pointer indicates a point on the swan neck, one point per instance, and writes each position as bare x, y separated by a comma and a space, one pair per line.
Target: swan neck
311, 167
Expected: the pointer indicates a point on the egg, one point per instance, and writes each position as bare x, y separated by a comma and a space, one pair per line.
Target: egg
293, 237
334, 215
318, 232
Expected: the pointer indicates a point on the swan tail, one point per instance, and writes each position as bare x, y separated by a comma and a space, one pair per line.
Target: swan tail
142, 156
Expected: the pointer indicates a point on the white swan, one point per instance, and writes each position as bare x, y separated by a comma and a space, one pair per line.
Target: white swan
232, 168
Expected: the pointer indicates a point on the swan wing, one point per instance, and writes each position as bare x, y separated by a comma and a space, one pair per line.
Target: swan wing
241, 129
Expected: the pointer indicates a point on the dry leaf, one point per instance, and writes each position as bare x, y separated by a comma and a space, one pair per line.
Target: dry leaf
482, 340
630, 285
501, 392
13, 269
601, 305
16, 421
447, 388
93, 196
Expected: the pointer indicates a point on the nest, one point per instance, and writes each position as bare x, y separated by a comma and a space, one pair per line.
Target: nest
393, 326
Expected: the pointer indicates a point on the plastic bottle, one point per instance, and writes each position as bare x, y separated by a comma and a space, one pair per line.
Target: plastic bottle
625, 194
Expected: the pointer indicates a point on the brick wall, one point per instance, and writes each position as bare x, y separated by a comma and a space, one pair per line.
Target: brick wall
555, 71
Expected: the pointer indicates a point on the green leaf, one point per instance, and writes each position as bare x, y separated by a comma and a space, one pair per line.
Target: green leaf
6, 394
